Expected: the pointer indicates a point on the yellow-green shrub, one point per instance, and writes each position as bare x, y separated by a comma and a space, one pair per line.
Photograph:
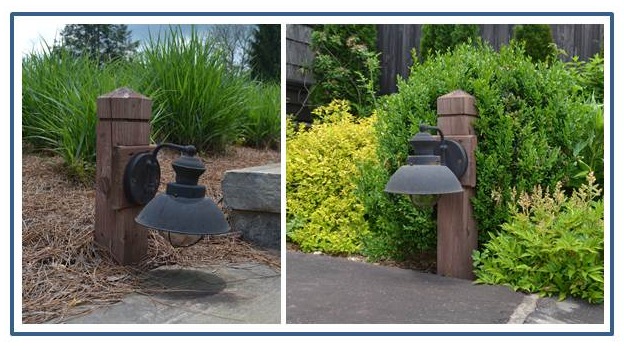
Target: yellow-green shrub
323, 213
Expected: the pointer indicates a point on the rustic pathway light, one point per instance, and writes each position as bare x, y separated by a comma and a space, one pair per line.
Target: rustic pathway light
443, 170
433, 170
127, 179
184, 208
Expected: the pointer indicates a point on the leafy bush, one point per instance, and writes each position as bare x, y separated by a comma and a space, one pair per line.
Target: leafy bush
552, 244
323, 213
589, 154
262, 124
59, 93
537, 39
590, 75
345, 66
397, 229
531, 117
203, 102
440, 38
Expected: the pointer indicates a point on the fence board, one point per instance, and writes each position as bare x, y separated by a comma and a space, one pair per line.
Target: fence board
395, 42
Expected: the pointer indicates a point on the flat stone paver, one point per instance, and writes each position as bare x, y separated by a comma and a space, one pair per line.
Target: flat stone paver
569, 311
234, 293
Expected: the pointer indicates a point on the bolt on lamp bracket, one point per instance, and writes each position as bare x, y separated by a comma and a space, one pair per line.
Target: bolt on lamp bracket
452, 153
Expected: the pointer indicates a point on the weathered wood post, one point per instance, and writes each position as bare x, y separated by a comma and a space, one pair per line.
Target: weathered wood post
123, 129
457, 233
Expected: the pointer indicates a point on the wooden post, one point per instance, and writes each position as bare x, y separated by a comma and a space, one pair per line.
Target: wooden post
457, 233
123, 129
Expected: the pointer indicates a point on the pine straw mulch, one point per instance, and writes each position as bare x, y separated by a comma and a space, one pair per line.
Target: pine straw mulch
63, 269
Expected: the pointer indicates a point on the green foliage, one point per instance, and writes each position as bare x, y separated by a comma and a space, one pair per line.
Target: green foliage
323, 213
552, 244
101, 42
397, 229
59, 93
265, 53
262, 124
590, 75
537, 39
440, 38
346, 65
531, 118
203, 101
589, 153
196, 100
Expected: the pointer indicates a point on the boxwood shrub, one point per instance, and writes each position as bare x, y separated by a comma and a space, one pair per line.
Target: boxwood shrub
531, 118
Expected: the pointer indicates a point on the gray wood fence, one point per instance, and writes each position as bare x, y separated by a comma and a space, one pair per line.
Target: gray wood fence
298, 76
395, 42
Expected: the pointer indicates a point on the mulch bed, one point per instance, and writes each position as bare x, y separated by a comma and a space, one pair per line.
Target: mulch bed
64, 269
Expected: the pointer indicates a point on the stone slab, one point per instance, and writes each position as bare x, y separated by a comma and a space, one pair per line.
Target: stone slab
222, 294
253, 188
569, 311
263, 229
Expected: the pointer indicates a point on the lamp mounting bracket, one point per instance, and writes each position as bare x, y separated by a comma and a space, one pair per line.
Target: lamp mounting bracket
454, 157
141, 178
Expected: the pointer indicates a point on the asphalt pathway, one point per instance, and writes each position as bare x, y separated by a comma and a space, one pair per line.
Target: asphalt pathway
325, 290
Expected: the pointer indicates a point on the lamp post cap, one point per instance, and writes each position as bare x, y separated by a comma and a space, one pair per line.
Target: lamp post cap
123, 93
457, 102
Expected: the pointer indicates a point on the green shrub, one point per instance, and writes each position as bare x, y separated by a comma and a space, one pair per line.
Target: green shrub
262, 124
531, 117
589, 154
440, 38
397, 229
345, 66
552, 244
590, 75
59, 93
323, 213
537, 39
203, 101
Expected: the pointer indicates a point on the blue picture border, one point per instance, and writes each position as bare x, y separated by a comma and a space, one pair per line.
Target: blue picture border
13, 15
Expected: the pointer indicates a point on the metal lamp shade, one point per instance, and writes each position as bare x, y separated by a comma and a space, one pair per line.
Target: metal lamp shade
423, 181
196, 216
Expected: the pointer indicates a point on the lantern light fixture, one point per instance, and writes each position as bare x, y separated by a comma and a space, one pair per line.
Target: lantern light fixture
183, 208
432, 170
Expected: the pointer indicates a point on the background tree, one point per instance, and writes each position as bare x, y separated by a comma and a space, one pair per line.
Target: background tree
102, 42
234, 40
265, 53
346, 65
442, 37
538, 40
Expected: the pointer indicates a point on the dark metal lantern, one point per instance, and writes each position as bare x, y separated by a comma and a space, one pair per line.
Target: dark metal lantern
433, 170
184, 207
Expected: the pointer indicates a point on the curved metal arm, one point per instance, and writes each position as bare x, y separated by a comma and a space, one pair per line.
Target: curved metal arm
188, 150
451, 150
424, 128
443, 144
